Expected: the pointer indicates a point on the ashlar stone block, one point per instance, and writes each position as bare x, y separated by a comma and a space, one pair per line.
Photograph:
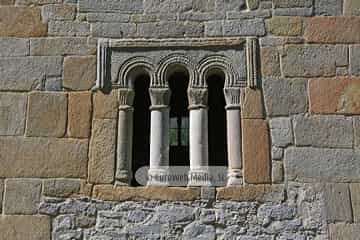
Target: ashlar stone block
22, 196
355, 200
351, 7
12, 113
79, 115
337, 202
47, 114
344, 231
79, 72
281, 132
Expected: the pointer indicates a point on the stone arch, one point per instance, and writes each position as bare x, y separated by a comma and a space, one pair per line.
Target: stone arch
216, 63
132, 68
169, 63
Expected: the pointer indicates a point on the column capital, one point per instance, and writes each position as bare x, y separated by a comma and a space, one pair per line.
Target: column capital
160, 97
125, 98
198, 97
232, 98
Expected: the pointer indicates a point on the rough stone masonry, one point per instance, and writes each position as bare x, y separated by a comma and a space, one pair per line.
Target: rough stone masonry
300, 127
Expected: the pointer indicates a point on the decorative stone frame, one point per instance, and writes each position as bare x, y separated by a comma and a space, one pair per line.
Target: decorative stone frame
119, 63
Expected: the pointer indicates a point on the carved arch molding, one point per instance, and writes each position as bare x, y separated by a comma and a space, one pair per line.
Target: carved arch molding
119, 63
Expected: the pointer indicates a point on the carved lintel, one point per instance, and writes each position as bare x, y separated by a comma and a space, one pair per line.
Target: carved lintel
198, 98
125, 98
252, 51
232, 97
160, 97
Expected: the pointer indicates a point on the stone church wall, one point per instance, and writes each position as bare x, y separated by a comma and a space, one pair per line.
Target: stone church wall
300, 128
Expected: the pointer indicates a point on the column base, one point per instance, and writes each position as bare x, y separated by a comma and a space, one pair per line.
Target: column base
235, 177
123, 178
158, 177
199, 177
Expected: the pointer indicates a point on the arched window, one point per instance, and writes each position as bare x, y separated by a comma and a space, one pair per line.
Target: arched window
217, 120
179, 119
141, 124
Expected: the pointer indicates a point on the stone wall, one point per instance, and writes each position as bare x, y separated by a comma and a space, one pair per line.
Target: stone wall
301, 129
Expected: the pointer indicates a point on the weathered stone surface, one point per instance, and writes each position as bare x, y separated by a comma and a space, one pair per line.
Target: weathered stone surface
61, 46
354, 63
328, 7
277, 153
125, 6
1, 193
197, 230
313, 60
314, 164
42, 157
270, 62
284, 26
283, 97
251, 103
47, 114
12, 114
36, 2
261, 193
351, 7
68, 28
342, 231
108, 17
14, 47
337, 202
357, 132
277, 172
21, 22
355, 200
170, 29
102, 151
298, 12
252, 4
105, 105
292, 3
114, 30
335, 95
61, 187
27, 73
244, 27
53, 84
111, 193
22, 196
323, 131
281, 132
332, 29
25, 227
79, 115
256, 160
58, 12
7, 2
79, 72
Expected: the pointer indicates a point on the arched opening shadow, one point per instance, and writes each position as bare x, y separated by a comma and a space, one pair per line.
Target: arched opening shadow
217, 120
179, 119
141, 127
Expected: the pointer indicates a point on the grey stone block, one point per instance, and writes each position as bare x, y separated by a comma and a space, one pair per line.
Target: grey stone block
1, 193
107, 17
351, 8
357, 132
61, 46
27, 73
167, 6
68, 28
292, 3
61, 187
337, 202
123, 6
113, 30
313, 60
53, 84
328, 7
12, 113
245, 27
323, 131
342, 231
277, 153
355, 200
199, 231
281, 132
293, 12
22, 196
14, 47
170, 29
277, 174
315, 164
354, 60
283, 97
58, 12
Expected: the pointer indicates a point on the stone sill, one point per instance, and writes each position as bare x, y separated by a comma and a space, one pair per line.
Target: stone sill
108, 192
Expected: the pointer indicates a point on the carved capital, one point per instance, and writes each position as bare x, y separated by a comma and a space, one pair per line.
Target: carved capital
232, 97
198, 97
125, 98
160, 97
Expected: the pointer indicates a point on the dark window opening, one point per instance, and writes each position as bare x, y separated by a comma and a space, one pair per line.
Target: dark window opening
216, 121
141, 127
179, 120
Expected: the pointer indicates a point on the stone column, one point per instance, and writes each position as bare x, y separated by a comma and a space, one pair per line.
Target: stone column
123, 172
233, 122
159, 135
199, 160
